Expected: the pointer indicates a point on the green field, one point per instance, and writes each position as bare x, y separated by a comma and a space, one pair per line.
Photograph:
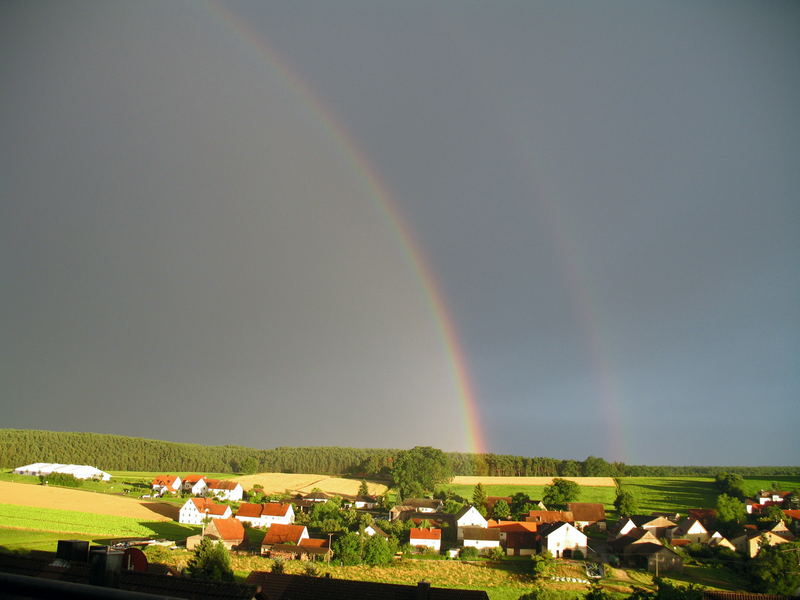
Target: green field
68, 521
604, 495
148, 476
26, 539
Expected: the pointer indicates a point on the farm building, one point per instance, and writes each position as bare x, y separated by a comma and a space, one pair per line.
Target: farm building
588, 513
562, 539
430, 538
196, 484
280, 535
263, 515
469, 517
166, 483
197, 509
77, 471
480, 537
225, 490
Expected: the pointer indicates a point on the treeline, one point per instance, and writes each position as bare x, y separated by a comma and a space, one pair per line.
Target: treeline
121, 453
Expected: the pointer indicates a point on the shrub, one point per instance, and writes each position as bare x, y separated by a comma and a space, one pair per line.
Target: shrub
578, 555
62, 479
468, 553
496, 553
278, 566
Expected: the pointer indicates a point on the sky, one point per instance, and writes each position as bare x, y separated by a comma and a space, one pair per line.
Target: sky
538, 228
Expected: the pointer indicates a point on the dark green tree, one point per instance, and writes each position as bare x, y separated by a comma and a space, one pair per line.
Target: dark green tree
775, 570
210, 561
625, 503
249, 465
501, 509
595, 467
421, 469
731, 514
543, 564
479, 497
363, 489
378, 551
348, 549
559, 493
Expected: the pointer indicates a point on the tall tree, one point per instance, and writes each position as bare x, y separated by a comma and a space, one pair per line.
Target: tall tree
775, 570
421, 469
501, 510
731, 514
625, 503
479, 497
210, 561
363, 489
559, 493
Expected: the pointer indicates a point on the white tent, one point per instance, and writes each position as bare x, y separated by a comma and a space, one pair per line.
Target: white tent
77, 471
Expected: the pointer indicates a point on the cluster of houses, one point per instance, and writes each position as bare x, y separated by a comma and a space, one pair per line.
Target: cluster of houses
641, 541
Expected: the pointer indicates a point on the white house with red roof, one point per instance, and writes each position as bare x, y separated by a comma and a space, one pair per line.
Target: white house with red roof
197, 509
225, 490
264, 515
562, 539
428, 538
469, 517
196, 484
166, 483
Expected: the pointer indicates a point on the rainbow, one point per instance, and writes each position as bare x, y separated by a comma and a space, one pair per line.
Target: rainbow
473, 433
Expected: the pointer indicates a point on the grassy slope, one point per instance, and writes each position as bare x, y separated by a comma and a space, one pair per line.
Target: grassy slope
68, 521
605, 495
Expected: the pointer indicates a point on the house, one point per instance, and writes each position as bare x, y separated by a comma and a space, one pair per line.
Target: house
766, 498
480, 537
658, 525
375, 530
750, 542
307, 549
225, 490
427, 538
166, 484
653, 557
717, 540
562, 539
195, 484
688, 529
637, 535
316, 497
549, 516
264, 515
228, 531
469, 517
279, 534
366, 502
424, 505
280, 586
197, 509
517, 537
77, 471
588, 513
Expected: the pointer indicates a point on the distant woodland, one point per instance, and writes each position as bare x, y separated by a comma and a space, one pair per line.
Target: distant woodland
114, 452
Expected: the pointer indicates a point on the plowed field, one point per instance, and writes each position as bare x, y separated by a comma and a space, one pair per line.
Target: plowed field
304, 482
42, 496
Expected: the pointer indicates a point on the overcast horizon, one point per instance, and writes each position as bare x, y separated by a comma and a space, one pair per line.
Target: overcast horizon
292, 223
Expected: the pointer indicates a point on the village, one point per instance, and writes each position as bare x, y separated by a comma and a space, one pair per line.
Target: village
425, 525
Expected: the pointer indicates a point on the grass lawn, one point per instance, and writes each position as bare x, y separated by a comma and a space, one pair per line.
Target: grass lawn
68, 521
27, 539
786, 483
667, 494
604, 495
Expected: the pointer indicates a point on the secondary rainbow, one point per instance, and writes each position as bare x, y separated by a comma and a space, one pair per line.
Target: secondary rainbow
471, 417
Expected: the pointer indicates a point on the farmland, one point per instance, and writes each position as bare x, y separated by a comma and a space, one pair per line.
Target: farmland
530, 481
297, 482
69, 521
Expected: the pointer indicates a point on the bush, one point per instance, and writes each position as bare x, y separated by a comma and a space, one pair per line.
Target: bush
62, 479
496, 553
578, 555
312, 570
278, 566
210, 561
468, 553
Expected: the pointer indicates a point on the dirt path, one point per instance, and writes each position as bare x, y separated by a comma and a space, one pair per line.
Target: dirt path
42, 496
485, 480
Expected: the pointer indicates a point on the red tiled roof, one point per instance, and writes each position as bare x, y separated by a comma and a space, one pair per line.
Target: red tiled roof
165, 480
247, 509
275, 509
550, 516
193, 478
793, 513
213, 508
514, 526
228, 529
314, 543
425, 534
587, 511
221, 484
280, 534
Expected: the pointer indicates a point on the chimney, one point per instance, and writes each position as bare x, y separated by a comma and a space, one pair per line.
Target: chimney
73, 551
105, 565
423, 590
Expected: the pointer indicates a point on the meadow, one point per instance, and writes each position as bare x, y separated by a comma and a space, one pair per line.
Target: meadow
69, 521
605, 495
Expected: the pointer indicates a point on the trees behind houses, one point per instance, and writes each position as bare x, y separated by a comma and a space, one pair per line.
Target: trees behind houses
560, 493
210, 561
420, 470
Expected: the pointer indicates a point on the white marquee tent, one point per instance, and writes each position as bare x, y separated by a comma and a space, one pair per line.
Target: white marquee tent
78, 471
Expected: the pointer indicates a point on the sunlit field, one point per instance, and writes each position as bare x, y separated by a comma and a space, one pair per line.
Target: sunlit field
304, 483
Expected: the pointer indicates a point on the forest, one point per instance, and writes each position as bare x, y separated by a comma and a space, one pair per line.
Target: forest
121, 453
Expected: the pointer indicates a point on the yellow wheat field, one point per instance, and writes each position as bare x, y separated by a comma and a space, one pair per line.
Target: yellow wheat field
304, 482
485, 480
42, 496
